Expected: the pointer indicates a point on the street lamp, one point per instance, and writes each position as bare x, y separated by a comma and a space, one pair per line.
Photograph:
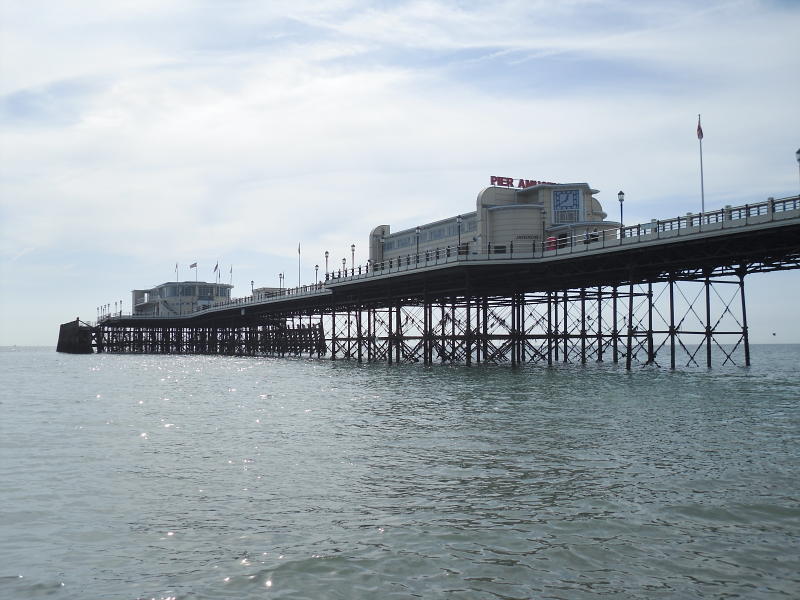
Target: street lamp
280, 281
458, 220
797, 156
316, 271
353, 256
326, 262
344, 266
621, 198
251, 286
416, 260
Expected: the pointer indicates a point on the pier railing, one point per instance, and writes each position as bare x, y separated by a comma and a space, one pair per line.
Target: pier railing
497, 250
688, 225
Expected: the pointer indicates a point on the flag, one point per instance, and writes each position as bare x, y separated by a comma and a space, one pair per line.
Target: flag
193, 266
231, 270
298, 247
216, 267
699, 129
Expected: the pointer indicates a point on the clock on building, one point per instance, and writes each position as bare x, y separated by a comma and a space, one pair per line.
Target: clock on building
566, 205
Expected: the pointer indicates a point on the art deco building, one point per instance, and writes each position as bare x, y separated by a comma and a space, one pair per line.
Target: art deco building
537, 215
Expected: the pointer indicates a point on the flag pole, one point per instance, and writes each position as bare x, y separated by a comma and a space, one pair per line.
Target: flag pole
702, 185
298, 265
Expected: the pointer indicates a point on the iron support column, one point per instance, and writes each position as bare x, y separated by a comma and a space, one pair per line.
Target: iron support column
615, 325
650, 356
599, 324
583, 326
708, 320
629, 352
745, 333
549, 329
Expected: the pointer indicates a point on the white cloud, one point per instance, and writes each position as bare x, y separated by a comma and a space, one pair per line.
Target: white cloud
215, 129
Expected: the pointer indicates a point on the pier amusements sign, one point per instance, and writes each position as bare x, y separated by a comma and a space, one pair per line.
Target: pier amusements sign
521, 183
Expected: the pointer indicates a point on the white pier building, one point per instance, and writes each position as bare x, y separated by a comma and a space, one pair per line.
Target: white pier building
509, 216
178, 298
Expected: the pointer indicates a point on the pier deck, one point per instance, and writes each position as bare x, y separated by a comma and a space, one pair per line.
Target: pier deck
526, 304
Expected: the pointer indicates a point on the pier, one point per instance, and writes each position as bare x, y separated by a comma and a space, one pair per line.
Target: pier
668, 293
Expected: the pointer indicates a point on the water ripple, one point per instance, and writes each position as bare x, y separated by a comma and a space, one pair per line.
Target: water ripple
128, 477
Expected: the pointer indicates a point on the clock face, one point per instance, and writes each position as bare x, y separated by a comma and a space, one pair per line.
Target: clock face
566, 199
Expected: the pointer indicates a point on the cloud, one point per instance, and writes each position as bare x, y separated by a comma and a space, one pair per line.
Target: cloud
212, 129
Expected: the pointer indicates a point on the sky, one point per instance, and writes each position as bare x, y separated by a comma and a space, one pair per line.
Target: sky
135, 135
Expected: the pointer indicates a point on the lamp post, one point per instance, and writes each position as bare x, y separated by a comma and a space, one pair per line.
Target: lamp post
797, 156
458, 221
280, 281
621, 197
344, 267
326, 262
316, 271
352, 256
417, 230
252, 283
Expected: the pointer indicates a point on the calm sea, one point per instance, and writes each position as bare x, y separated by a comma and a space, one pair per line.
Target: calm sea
131, 477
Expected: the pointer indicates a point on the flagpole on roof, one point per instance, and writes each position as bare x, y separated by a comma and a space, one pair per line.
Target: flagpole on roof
298, 265
702, 186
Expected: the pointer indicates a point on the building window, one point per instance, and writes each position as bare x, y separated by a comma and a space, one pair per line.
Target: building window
566, 216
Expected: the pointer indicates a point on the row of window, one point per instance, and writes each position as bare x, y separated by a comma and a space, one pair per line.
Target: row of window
203, 291
430, 235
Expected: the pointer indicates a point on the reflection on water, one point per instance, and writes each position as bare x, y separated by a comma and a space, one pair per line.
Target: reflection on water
208, 477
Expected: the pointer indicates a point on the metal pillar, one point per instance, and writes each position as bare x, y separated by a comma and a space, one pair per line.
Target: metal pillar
708, 320
390, 337
566, 330
672, 322
650, 353
599, 324
583, 325
360, 337
629, 352
333, 334
468, 330
398, 332
550, 329
745, 333
615, 325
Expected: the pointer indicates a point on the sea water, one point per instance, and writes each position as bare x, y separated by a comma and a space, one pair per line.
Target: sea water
134, 476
